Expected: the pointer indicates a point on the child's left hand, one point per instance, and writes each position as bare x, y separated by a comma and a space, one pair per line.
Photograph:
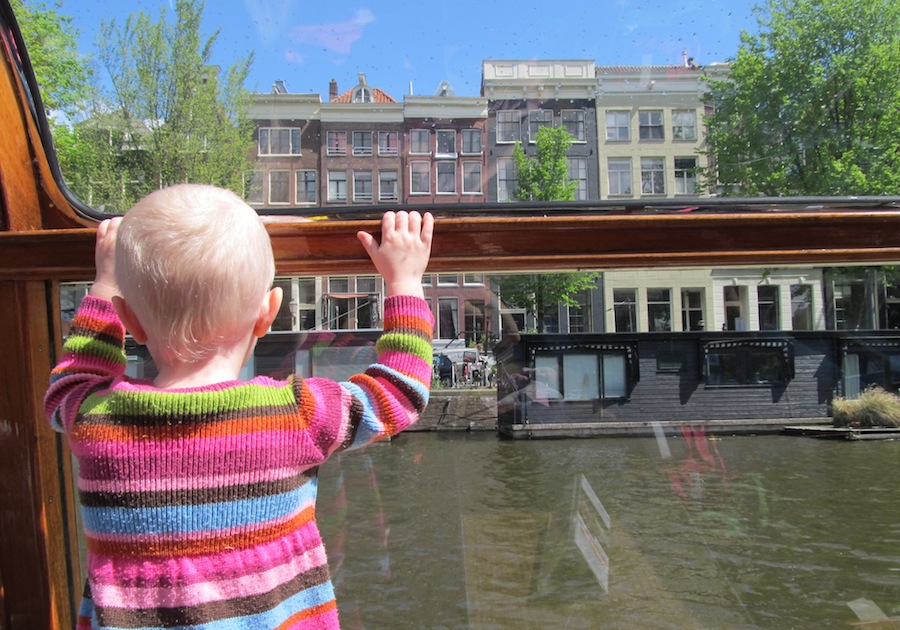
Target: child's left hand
105, 285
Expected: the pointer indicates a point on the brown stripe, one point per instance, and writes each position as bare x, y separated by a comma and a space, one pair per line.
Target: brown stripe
185, 547
212, 611
200, 496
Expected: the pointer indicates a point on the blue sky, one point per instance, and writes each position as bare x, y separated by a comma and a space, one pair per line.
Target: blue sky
400, 42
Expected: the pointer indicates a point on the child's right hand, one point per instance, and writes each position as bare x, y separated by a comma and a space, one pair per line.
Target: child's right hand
402, 256
105, 285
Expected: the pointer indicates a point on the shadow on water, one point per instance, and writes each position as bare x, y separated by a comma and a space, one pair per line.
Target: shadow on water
468, 531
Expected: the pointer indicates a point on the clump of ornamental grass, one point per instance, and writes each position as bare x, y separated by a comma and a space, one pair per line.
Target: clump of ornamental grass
875, 407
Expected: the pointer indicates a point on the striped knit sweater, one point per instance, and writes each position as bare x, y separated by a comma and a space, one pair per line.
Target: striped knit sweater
199, 504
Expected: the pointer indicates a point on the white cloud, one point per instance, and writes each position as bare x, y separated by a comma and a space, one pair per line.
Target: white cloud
336, 37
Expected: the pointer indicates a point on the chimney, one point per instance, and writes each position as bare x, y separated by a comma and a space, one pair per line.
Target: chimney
332, 90
279, 87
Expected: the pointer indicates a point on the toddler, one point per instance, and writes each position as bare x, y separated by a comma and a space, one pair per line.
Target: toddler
198, 490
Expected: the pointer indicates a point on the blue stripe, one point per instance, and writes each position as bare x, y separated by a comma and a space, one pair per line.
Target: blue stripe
197, 518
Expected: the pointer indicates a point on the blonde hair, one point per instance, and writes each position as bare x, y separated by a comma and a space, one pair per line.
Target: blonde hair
194, 263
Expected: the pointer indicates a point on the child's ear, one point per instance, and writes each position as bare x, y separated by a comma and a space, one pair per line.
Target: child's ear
129, 319
268, 310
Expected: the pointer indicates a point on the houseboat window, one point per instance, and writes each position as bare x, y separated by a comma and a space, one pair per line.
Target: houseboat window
581, 376
748, 363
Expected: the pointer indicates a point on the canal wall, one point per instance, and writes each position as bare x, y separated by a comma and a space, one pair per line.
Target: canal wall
459, 410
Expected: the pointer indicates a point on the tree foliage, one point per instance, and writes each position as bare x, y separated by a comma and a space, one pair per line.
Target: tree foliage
63, 74
544, 177
168, 116
812, 103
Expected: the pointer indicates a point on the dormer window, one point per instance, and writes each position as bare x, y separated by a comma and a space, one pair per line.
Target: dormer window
362, 95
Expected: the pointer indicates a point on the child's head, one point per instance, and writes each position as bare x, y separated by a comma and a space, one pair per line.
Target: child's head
193, 262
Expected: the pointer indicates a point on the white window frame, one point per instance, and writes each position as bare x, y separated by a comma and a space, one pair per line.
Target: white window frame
445, 172
385, 147
509, 126
684, 125
286, 174
577, 172
617, 177
507, 179
423, 168
335, 193
335, 148
472, 168
467, 137
685, 176
444, 136
362, 143
360, 179
416, 138
653, 176
618, 125
538, 118
651, 123
573, 121
385, 177
302, 179
265, 138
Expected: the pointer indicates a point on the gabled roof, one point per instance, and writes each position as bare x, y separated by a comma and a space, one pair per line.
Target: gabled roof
378, 96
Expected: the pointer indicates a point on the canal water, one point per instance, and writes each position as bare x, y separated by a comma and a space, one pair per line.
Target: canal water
465, 530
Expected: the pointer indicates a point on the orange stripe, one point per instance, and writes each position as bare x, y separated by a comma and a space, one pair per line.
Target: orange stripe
239, 426
303, 615
185, 547
379, 399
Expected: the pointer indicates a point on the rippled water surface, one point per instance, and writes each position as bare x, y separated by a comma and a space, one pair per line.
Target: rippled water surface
464, 530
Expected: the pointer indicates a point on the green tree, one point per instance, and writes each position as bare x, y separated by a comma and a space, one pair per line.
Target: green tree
62, 73
545, 177
170, 115
812, 103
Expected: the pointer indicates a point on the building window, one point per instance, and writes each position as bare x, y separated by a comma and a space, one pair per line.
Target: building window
306, 190
684, 124
337, 186
538, 118
506, 179
618, 126
659, 310
573, 121
388, 143
734, 308
448, 280
279, 187
362, 95
577, 168
474, 321
448, 318
692, 309
580, 315
801, 307
419, 178
685, 176
279, 141
362, 143
625, 310
749, 363
306, 303
651, 125
255, 194
446, 143
582, 376
471, 142
446, 178
653, 176
850, 305
419, 141
473, 279
472, 182
767, 299
388, 186
508, 126
336, 143
619, 177
362, 185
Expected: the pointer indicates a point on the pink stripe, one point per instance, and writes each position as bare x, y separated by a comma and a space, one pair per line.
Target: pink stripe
158, 484
196, 585
133, 385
